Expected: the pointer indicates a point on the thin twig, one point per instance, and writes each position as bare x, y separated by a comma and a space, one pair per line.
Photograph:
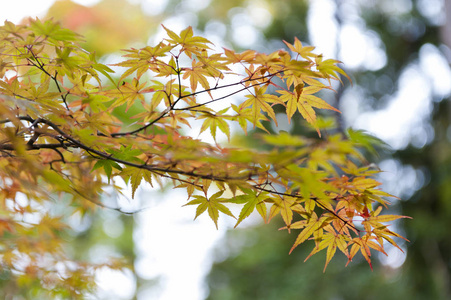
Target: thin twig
40, 66
345, 222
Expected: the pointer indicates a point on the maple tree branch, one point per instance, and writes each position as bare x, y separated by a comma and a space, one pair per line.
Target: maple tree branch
118, 209
164, 113
40, 66
63, 96
102, 155
345, 222
178, 79
10, 147
232, 84
231, 94
63, 160
217, 99
178, 179
161, 116
157, 170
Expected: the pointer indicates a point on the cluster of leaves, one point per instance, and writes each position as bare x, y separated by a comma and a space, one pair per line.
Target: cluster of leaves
66, 132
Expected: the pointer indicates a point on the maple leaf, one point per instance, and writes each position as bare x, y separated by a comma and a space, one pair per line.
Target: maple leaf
303, 101
214, 121
53, 31
361, 244
129, 92
191, 44
329, 68
303, 51
246, 115
197, 74
212, 204
233, 57
251, 201
141, 60
284, 139
284, 207
309, 227
260, 102
134, 177
107, 166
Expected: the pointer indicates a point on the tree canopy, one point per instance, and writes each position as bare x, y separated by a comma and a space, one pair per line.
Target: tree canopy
71, 129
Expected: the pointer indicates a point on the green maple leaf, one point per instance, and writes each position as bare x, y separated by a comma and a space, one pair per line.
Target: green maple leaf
213, 206
107, 166
251, 201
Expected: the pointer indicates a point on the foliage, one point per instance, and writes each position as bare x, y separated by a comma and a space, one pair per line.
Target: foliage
69, 130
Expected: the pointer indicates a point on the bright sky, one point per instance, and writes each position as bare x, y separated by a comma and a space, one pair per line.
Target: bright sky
16, 10
177, 250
